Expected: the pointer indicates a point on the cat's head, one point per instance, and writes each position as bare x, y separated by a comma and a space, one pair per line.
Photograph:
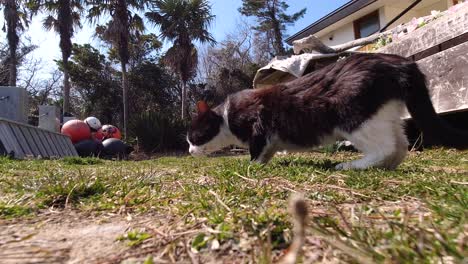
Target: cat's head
205, 134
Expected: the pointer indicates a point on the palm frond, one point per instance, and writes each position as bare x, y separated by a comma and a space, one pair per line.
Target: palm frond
76, 17
50, 23
136, 23
179, 19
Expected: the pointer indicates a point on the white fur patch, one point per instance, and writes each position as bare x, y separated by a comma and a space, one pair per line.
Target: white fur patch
381, 139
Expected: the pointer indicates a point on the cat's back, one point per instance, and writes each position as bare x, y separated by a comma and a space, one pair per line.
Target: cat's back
338, 82
346, 78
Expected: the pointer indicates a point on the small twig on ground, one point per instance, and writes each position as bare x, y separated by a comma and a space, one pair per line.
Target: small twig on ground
320, 172
193, 257
245, 178
343, 218
69, 194
183, 217
170, 253
181, 186
417, 144
395, 181
219, 200
461, 183
157, 231
332, 240
188, 232
343, 189
288, 189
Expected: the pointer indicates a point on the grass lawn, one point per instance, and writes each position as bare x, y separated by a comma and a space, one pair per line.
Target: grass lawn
184, 209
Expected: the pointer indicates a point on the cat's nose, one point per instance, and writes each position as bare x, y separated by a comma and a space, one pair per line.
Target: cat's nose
193, 151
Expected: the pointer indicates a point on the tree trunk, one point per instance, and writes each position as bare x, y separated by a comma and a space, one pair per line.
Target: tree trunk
12, 19
184, 100
278, 42
12, 68
65, 21
66, 86
124, 98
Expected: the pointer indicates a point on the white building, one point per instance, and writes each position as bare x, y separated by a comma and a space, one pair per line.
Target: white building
361, 18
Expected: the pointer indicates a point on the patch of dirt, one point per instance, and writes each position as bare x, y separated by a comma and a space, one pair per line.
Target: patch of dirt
61, 238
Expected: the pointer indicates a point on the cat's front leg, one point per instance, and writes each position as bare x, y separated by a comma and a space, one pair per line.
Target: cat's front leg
263, 158
261, 151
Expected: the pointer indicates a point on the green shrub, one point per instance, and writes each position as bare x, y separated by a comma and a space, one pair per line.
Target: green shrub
156, 132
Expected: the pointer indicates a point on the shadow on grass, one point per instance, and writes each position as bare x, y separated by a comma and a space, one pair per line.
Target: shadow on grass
82, 161
322, 164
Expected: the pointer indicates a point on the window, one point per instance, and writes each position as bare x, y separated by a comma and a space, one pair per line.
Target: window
367, 25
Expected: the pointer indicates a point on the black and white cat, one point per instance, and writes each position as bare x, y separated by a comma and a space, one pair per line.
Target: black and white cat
360, 99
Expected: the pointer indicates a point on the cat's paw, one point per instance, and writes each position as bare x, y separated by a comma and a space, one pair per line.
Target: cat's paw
343, 166
259, 161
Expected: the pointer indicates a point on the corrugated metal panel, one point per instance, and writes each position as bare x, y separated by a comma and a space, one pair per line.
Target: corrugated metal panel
9, 142
27, 141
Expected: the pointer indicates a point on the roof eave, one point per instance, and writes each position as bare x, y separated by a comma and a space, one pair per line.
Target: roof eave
333, 17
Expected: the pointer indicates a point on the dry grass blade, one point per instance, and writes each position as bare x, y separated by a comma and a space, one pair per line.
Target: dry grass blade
69, 194
245, 178
346, 248
329, 186
219, 200
460, 183
193, 257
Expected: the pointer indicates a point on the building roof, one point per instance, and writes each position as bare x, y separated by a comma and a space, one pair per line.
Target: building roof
333, 17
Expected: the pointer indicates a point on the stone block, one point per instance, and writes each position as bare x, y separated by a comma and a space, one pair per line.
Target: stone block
49, 118
14, 104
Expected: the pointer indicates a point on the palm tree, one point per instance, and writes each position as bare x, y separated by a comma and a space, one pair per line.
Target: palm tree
15, 20
117, 31
182, 22
63, 16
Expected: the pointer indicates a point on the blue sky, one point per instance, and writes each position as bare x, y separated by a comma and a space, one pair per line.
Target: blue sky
227, 14
225, 11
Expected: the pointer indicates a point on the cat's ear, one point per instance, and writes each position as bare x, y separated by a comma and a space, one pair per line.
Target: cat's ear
202, 107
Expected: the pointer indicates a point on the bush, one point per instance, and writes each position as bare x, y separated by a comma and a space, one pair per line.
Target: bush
156, 132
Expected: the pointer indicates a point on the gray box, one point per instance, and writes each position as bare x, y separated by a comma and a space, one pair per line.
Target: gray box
14, 104
49, 118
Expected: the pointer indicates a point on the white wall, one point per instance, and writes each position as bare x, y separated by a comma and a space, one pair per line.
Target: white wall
340, 35
440, 6
343, 31
391, 12
382, 18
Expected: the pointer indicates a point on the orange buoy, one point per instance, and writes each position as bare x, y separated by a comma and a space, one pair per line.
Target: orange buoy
98, 135
77, 130
110, 131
